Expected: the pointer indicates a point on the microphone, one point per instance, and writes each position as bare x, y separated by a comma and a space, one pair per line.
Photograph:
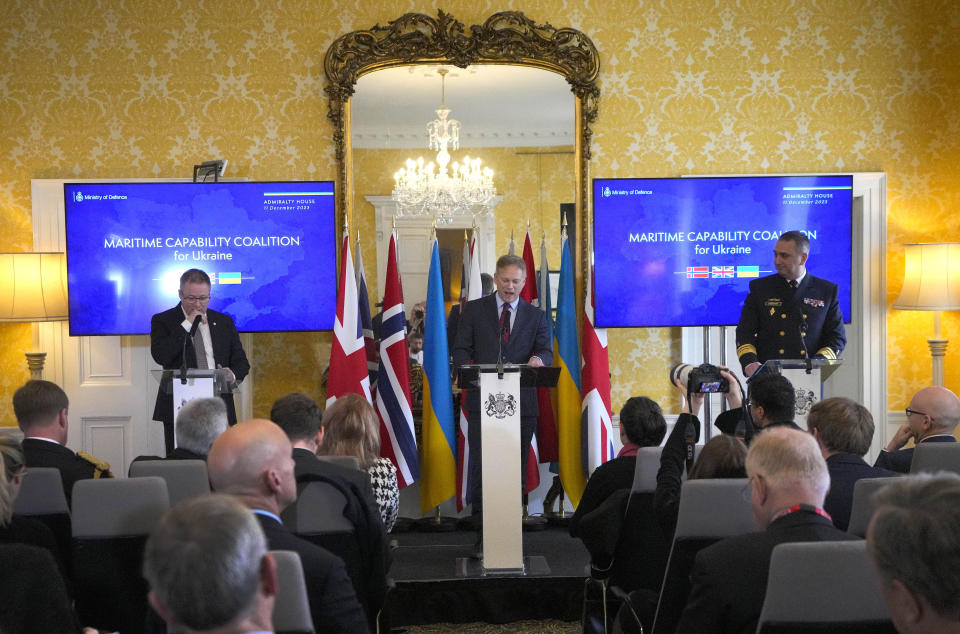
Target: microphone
802, 327
183, 351
500, 360
196, 324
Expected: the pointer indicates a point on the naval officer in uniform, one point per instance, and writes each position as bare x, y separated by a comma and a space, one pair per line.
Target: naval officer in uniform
791, 314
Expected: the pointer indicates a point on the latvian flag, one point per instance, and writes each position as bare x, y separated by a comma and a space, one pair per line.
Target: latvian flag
722, 271
698, 272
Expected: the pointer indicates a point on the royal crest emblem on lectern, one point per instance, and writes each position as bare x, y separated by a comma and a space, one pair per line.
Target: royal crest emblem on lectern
501, 405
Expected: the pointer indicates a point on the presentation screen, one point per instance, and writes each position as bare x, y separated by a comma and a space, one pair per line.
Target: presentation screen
269, 248
682, 251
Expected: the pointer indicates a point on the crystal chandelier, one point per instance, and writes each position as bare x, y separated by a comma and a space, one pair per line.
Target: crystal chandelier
427, 190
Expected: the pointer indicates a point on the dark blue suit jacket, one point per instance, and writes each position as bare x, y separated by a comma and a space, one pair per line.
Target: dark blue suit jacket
478, 334
772, 316
729, 578
900, 460
845, 469
333, 603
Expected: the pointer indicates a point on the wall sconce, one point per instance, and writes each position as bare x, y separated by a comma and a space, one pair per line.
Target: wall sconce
33, 288
931, 281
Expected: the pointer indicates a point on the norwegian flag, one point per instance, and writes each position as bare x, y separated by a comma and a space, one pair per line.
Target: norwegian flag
348, 361
722, 271
698, 272
529, 293
366, 323
595, 390
393, 401
474, 291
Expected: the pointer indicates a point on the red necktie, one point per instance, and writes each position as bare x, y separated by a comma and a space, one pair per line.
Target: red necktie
505, 324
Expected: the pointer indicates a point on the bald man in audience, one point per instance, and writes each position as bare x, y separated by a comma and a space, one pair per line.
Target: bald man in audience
253, 461
788, 483
932, 416
915, 545
230, 588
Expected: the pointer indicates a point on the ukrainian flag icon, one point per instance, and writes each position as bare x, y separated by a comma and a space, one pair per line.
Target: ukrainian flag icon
228, 278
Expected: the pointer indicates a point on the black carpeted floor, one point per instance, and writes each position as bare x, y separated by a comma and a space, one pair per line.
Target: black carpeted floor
429, 590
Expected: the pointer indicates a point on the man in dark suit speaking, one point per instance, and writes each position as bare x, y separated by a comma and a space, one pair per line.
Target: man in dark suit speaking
504, 325
791, 314
207, 338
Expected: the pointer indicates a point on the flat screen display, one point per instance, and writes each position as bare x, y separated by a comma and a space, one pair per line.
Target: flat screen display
682, 251
269, 248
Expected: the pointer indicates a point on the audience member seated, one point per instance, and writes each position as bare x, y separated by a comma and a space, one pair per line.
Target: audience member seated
788, 483
253, 461
844, 430
351, 428
208, 568
41, 411
199, 422
16, 529
770, 403
723, 456
365, 553
914, 542
932, 415
641, 425
299, 417
35, 599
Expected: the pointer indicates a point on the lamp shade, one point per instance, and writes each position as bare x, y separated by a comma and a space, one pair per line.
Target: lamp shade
33, 287
931, 278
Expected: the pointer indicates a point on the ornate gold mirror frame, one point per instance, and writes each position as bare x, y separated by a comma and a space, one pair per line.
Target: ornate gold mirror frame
508, 37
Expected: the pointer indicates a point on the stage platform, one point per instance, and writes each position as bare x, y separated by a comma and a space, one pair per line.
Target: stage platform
432, 588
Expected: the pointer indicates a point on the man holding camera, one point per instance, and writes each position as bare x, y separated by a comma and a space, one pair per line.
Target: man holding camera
790, 315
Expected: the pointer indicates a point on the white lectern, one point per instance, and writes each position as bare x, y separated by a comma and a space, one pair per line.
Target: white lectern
499, 391
189, 383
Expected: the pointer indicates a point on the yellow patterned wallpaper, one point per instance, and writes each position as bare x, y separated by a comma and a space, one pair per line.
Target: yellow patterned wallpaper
133, 88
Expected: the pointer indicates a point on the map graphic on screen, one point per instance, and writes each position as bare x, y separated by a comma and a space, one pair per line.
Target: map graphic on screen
682, 251
269, 248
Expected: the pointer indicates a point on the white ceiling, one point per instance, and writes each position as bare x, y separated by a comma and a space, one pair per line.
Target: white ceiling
497, 106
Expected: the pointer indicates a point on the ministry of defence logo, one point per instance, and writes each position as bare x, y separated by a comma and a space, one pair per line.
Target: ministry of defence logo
78, 196
501, 405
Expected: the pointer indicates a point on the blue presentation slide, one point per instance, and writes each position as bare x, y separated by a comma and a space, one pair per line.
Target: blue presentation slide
682, 251
269, 248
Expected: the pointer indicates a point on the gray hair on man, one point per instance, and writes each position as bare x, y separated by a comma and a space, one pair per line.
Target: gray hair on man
205, 562
914, 542
199, 423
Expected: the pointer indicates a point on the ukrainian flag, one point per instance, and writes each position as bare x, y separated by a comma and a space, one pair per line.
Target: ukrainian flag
438, 469
748, 271
566, 352
229, 278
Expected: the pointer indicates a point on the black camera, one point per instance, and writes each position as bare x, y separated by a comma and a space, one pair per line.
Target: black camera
700, 379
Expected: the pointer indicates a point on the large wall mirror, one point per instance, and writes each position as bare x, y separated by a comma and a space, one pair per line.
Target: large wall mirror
525, 95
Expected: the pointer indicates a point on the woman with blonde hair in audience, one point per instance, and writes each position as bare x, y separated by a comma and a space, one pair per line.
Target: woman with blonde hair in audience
351, 428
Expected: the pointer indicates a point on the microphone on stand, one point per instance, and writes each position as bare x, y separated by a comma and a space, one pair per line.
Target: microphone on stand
183, 351
802, 327
501, 334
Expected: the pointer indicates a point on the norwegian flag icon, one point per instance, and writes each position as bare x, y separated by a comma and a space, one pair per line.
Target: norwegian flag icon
698, 272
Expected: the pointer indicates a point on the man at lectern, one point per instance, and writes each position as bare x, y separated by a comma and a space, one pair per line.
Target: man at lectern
208, 338
502, 326
791, 314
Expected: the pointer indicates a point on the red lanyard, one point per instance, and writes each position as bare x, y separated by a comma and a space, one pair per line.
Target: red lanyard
802, 507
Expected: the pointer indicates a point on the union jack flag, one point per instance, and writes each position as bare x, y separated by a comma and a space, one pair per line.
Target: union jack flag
722, 271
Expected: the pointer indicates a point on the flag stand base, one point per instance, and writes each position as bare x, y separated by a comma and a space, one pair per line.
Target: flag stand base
532, 522
436, 524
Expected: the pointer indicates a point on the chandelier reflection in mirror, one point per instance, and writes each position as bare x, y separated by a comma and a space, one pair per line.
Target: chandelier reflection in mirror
462, 189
